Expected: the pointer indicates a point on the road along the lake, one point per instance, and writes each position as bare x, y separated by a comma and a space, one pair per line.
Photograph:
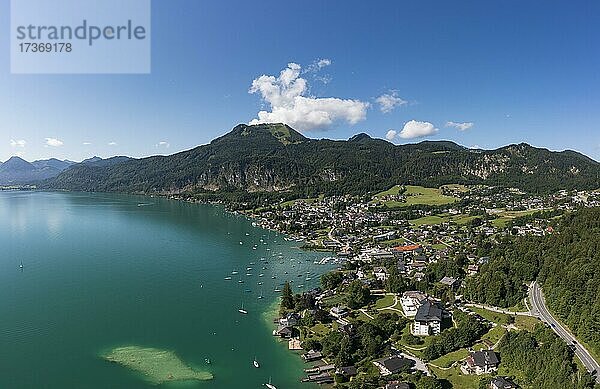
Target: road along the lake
539, 309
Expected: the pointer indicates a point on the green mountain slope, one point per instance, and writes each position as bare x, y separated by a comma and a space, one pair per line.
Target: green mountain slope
276, 158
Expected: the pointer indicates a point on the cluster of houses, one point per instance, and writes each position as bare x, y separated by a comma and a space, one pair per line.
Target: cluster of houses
354, 230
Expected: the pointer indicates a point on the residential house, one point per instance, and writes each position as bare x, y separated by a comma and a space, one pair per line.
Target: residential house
380, 273
291, 319
428, 320
393, 365
346, 371
312, 355
481, 362
472, 270
339, 312
502, 383
450, 282
284, 332
411, 301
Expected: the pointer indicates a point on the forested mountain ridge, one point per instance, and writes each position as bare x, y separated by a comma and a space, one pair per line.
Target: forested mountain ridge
566, 263
275, 158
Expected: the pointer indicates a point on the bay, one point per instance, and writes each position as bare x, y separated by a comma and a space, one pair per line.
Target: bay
102, 271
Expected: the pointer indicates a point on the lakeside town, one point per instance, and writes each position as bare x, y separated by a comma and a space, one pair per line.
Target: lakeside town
394, 314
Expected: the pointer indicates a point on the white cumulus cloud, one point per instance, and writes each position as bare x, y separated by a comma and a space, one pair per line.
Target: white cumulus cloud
87, 143
53, 142
415, 129
390, 101
18, 143
286, 96
112, 143
460, 126
391, 134
164, 144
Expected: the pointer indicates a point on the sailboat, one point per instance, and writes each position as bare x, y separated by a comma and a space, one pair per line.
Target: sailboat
270, 385
21, 265
255, 363
242, 310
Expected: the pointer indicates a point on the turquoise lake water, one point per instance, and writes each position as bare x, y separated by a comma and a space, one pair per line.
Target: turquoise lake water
102, 271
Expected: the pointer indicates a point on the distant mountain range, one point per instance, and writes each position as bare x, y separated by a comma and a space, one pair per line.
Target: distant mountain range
17, 171
275, 159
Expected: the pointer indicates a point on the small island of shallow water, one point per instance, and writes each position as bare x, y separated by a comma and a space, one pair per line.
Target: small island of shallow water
157, 366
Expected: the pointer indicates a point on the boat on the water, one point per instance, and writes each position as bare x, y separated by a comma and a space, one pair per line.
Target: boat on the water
270, 385
255, 363
242, 310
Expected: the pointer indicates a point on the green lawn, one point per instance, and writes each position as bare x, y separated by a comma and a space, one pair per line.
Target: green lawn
416, 195
335, 300
501, 222
439, 246
362, 317
495, 317
495, 334
526, 322
462, 219
443, 218
505, 217
428, 220
457, 379
448, 359
384, 302
320, 329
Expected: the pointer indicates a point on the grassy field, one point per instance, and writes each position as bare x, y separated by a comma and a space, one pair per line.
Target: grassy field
335, 300
495, 334
157, 366
501, 222
415, 195
439, 219
456, 378
384, 302
495, 317
448, 359
522, 322
526, 322
427, 220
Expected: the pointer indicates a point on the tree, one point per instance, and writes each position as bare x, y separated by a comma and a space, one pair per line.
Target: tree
287, 297
357, 295
312, 344
344, 355
331, 280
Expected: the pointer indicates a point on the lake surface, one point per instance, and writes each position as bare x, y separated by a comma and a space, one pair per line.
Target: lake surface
102, 271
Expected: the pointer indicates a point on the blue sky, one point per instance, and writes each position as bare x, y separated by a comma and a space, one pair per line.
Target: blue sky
510, 71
